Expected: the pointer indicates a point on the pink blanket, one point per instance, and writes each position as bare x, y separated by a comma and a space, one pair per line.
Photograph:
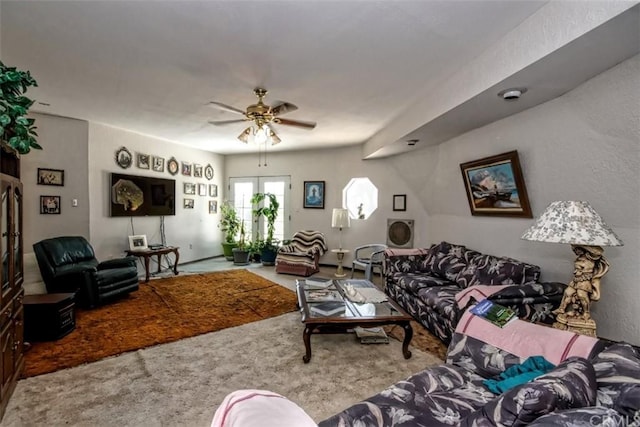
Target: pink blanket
525, 339
259, 408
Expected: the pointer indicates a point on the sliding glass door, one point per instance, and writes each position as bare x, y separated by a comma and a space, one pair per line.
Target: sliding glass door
242, 189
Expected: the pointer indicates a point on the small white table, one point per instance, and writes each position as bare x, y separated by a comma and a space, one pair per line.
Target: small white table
340, 255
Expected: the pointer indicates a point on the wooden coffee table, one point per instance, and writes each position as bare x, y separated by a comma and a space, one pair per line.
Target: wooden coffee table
366, 315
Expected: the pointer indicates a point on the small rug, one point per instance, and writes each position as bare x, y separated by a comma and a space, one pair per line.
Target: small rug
162, 311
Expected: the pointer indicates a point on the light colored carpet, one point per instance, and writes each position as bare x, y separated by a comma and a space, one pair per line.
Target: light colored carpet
183, 382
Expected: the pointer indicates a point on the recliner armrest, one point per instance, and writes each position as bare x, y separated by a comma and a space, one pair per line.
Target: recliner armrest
129, 261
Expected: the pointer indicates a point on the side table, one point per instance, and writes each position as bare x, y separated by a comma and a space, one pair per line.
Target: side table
148, 253
48, 317
340, 255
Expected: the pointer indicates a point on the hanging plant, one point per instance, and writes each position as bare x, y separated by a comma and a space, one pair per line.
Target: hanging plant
15, 128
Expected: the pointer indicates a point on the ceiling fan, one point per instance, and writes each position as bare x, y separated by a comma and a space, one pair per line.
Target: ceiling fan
263, 117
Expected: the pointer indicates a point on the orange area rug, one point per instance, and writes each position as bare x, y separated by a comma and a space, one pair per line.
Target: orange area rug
162, 311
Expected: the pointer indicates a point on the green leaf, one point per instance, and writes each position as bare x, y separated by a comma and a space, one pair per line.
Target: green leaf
5, 120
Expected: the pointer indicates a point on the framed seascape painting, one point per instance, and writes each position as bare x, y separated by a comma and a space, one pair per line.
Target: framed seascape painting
314, 194
495, 186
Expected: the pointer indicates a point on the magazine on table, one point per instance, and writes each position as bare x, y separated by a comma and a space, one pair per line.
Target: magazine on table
323, 295
318, 284
495, 313
328, 308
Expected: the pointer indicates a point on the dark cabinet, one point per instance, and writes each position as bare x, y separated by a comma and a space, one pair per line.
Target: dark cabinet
12, 274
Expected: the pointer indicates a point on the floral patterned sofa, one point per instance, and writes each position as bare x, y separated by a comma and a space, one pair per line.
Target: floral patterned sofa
435, 285
589, 385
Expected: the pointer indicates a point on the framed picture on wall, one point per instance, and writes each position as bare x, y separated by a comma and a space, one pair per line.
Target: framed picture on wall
399, 202
213, 190
495, 186
50, 205
213, 206
197, 171
143, 161
208, 172
186, 168
50, 177
314, 194
189, 188
158, 164
202, 189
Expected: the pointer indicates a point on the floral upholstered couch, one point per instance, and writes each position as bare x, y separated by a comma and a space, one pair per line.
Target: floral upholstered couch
589, 385
435, 285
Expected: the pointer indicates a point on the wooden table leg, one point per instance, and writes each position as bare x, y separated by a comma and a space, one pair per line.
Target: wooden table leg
306, 336
408, 334
175, 265
159, 263
146, 267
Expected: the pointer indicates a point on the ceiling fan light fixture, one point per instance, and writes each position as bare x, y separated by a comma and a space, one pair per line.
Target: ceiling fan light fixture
244, 136
274, 138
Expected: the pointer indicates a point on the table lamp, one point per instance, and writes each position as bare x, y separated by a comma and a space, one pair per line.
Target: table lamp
578, 224
340, 219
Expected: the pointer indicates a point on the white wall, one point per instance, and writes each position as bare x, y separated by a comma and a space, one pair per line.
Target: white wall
195, 231
584, 145
336, 167
64, 143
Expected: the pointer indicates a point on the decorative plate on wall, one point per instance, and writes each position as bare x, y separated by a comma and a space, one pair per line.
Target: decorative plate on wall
124, 157
172, 166
208, 172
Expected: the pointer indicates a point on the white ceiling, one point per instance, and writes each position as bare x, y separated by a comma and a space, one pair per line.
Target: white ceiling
351, 66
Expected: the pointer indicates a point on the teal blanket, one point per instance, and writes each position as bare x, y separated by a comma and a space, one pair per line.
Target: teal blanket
519, 374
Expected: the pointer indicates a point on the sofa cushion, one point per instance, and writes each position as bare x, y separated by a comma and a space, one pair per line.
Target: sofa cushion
617, 368
442, 395
67, 250
414, 282
491, 270
570, 385
440, 299
446, 260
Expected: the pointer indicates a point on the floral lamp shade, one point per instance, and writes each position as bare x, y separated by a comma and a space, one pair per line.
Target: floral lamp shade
573, 222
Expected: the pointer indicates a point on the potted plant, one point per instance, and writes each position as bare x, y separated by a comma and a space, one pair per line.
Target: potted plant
229, 224
15, 129
242, 251
269, 245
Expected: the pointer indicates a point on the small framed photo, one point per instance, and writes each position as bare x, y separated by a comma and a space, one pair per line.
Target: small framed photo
186, 168
314, 194
138, 243
188, 203
143, 161
213, 190
202, 189
51, 177
399, 202
189, 188
197, 171
158, 164
213, 206
50, 205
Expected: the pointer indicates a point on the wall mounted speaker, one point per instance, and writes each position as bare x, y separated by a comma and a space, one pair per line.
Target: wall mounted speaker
400, 233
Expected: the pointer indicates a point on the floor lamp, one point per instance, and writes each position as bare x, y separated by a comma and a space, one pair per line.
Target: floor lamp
340, 219
579, 225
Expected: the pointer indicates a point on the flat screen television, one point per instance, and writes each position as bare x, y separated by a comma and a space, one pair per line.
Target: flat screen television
133, 195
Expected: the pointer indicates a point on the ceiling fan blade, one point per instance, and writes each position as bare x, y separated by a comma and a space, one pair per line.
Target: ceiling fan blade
298, 123
226, 107
226, 122
281, 107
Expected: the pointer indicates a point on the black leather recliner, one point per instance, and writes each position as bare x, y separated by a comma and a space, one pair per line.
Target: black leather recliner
69, 264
